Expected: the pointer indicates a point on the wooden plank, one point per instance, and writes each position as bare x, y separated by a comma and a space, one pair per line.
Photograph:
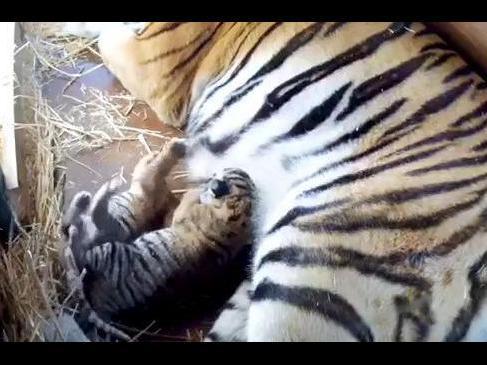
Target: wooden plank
8, 158
470, 37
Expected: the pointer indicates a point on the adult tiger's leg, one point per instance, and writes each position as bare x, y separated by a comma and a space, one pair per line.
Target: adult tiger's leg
231, 324
157, 64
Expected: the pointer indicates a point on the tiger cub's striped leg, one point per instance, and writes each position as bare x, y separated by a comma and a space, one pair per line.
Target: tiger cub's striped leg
75, 284
148, 193
231, 324
111, 215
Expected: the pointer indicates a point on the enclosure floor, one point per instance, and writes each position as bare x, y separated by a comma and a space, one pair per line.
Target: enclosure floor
105, 162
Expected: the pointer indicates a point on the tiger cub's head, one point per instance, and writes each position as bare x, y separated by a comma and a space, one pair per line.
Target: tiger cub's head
233, 188
220, 207
230, 197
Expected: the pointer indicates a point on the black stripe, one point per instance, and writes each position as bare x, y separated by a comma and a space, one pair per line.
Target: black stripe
119, 281
296, 42
91, 259
144, 264
240, 186
478, 112
435, 46
192, 55
333, 28
113, 257
228, 306
458, 163
236, 172
313, 119
174, 50
141, 286
291, 87
228, 30
432, 106
213, 336
328, 304
139, 266
251, 51
187, 76
167, 263
195, 125
277, 60
287, 90
122, 221
480, 147
478, 290
127, 210
391, 197
424, 32
349, 159
446, 136
440, 60
378, 84
297, 212
338, 257
459, 72
458, 238
344, 222
241, 65
124, 197
165, 29
399, 326
127, 282
359, 131
404, 195
237, 179
170, 255
482, 86
115, 261
149, 245
416, 309
363, 174
121, 258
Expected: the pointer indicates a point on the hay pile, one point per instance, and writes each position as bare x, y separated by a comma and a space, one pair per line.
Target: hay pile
32, 284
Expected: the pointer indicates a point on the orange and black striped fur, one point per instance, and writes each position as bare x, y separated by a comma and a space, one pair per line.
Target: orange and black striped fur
367, 145
131, 269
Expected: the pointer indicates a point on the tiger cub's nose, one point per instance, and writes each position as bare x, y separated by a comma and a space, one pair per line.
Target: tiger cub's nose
219, 188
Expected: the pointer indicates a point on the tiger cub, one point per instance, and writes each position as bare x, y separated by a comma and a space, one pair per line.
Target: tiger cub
129, 268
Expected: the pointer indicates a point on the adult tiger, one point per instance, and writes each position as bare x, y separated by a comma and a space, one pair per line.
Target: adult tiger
366, 143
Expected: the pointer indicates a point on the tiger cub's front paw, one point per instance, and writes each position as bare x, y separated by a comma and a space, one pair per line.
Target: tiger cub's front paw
176, 147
